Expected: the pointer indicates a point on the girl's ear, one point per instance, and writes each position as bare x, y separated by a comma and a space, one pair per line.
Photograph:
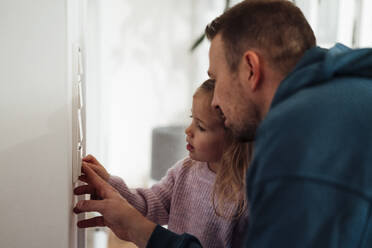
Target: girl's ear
251, 69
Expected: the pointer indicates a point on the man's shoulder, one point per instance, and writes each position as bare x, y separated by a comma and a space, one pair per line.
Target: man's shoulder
319, 132
338, 100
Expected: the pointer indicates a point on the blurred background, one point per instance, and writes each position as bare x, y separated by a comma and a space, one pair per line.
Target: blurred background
141, 74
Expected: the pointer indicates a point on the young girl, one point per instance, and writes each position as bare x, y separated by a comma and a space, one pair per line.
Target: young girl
203, 194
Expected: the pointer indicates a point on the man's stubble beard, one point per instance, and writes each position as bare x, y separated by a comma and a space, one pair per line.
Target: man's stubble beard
246, 130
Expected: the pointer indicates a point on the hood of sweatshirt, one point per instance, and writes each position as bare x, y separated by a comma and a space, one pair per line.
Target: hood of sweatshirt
319, 123
319, 65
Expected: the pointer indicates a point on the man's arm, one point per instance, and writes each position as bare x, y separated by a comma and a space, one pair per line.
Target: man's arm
162, 237
123, 219
306, 212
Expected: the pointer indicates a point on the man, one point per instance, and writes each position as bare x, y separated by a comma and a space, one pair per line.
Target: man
309, 111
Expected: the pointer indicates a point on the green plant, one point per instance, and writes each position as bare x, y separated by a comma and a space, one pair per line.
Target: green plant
201, 38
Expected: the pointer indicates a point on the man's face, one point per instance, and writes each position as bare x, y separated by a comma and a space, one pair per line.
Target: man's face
232, 94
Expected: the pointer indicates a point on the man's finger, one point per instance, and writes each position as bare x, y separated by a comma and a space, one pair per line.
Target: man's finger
89, 206
102, 188
83, 178
93, 222
84, 189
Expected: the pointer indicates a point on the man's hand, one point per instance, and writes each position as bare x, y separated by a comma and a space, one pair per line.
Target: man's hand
117, 214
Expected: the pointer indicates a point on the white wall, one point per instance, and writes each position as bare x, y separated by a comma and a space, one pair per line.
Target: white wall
35, 126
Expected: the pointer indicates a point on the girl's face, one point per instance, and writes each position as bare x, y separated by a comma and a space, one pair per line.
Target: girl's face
206, 134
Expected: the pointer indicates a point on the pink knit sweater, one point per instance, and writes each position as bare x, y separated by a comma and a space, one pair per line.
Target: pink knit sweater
183, 201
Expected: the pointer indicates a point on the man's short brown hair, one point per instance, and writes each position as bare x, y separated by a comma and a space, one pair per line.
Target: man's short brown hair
276, 28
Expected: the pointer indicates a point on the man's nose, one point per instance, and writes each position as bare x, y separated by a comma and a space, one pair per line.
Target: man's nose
215, 102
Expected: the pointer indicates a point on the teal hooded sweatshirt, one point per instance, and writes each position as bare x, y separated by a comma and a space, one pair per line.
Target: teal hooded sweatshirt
310, 181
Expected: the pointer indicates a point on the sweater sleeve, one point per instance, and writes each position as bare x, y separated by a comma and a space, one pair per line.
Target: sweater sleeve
153, 203
162, 237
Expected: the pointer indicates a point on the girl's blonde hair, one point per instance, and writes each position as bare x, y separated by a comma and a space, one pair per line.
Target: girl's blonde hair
229, 187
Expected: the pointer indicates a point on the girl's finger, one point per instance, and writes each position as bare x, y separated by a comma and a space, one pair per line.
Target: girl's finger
90, 159
84, 189
103, 189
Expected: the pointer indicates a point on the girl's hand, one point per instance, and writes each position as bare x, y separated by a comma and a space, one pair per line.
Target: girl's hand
117, 214
98, 168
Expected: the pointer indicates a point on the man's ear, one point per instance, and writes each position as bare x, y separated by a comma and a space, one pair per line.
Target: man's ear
252, 69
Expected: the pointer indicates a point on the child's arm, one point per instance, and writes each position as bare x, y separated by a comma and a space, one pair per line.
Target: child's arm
153, 203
